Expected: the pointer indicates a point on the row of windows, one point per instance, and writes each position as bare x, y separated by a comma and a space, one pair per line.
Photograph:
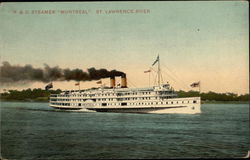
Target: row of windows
107, 99
140, 103
150, 103
106, 94
61, 104
124, 99
73, 104
103, 99
135, 93
54, 100
112, 99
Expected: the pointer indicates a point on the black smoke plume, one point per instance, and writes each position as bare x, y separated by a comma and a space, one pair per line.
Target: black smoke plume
15, 73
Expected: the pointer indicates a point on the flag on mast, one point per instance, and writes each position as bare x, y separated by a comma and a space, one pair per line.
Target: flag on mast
77, 84
147, 71
195, 84
50, 85
99, 82
157, 59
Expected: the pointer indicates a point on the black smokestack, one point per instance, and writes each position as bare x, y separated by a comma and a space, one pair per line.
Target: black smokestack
15, 73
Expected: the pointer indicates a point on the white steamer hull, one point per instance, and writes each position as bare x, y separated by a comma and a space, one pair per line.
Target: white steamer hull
191, 108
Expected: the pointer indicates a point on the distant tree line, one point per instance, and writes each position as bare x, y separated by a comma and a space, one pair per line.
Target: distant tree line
212, 96
38, 94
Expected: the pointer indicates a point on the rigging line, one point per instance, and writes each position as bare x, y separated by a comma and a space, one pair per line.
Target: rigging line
174, 80
151, 68
175, 76
172, 73
162, 79
184, 86
154, 75
155, 80
131, 83
170, 70
156, 72
170, 76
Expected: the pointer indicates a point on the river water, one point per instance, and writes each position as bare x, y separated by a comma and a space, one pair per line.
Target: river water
36, 131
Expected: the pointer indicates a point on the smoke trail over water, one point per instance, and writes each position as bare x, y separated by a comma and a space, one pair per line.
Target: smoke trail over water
15, 73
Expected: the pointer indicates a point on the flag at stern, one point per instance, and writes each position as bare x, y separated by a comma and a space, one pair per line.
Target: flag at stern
50, 85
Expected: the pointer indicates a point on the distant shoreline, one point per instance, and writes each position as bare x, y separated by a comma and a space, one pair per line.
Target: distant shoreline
41, 95
14, 100
224, 102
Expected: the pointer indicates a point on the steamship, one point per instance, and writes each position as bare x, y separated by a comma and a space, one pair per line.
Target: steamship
156, 99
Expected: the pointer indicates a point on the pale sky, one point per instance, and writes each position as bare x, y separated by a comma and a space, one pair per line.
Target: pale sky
197, 41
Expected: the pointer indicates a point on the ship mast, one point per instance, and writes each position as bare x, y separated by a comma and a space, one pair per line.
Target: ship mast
159, 71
